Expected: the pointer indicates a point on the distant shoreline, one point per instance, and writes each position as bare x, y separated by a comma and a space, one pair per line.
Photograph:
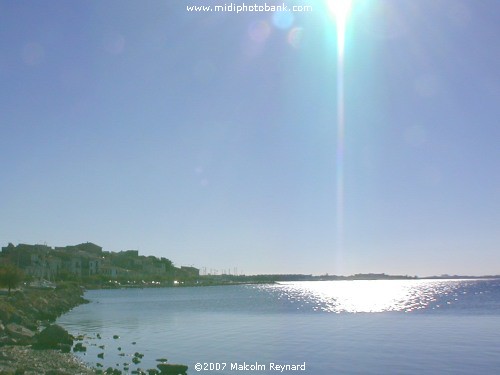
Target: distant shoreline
274, 279
89, 265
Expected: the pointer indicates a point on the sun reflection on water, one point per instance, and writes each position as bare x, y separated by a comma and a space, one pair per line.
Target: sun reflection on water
358, 296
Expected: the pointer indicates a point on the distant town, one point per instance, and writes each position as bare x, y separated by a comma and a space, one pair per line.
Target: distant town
88, 264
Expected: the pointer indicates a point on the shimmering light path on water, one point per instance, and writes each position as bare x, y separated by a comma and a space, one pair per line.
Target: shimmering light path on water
357, 296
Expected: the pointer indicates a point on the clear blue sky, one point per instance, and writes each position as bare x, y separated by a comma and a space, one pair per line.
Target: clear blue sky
210, 138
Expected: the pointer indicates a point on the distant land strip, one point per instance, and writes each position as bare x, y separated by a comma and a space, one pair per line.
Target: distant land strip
89, 265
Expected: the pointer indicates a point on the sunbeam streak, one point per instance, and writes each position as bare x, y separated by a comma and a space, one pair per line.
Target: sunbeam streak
340, 11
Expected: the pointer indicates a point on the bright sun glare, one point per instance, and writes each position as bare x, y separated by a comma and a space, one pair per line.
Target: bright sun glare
340, 8
340, 11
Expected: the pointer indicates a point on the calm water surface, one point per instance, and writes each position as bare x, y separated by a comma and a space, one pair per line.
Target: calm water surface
335, 327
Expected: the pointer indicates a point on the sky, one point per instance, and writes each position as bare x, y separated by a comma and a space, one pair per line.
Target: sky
212, 138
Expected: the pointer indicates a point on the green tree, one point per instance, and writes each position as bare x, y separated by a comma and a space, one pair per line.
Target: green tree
10, 276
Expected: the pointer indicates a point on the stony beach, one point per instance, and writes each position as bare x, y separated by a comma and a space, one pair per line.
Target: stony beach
28, 361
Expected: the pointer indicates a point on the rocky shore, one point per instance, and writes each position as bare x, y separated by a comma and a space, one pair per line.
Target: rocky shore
30, 344
24, 346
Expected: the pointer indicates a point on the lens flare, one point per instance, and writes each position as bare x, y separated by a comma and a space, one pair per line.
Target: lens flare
295, 37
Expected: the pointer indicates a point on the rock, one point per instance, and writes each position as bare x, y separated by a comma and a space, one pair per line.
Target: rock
163, 360
116, 337
52, 336
79, 347
136, 360
172, 369
6, 340
20, 333
100, 355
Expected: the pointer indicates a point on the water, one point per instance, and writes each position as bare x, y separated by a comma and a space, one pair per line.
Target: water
334, 327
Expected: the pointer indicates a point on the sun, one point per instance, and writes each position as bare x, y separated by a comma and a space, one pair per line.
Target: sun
340, 10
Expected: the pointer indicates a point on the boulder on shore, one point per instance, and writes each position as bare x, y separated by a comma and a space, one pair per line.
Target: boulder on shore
53, 337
